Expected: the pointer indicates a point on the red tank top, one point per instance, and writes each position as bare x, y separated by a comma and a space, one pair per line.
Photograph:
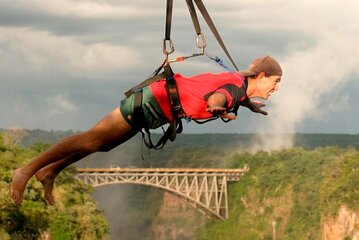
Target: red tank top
194, 92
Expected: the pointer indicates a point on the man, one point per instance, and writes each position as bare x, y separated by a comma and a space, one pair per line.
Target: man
201, 97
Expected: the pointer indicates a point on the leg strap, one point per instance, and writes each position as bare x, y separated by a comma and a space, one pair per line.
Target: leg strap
138, 116
141, 123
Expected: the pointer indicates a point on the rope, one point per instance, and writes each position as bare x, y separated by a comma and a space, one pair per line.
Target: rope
219, 62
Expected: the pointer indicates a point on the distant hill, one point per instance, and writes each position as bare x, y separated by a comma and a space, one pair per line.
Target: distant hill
305, 140
133, 151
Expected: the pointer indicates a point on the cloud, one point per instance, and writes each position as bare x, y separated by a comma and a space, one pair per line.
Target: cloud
27, 52
60, 104
91, 51
313, 74
80, 9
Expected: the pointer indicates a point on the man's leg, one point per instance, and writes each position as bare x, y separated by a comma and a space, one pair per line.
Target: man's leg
108, 133
47, 174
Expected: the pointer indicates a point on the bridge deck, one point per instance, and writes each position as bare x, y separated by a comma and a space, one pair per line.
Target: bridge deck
160, 170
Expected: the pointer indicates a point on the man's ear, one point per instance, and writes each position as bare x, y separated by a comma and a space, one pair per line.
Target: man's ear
261, 75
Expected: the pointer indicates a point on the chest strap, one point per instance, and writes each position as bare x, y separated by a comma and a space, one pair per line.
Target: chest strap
173, 94
145, 83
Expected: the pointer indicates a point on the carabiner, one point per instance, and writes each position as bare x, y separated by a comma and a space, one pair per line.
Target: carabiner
201, 42
168, 43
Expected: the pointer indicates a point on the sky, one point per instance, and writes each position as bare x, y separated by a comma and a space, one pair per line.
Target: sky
64, 64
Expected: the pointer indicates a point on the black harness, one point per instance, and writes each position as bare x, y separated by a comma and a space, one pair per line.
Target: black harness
174, 127
139, 120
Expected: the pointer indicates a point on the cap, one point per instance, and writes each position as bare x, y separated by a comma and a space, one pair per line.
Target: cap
264, 64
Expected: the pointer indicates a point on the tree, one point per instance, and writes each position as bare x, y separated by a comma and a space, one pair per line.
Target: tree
13, 136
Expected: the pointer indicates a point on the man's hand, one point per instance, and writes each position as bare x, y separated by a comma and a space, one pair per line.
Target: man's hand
254, 106
216, 111
220, 111
215, 105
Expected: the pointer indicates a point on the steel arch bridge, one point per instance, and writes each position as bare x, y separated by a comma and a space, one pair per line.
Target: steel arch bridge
204, 188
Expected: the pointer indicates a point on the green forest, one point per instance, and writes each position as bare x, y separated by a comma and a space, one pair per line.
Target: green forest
293, 189
75, 215
288, 194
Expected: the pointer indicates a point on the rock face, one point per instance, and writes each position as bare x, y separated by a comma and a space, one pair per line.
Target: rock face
177, 219
344, 226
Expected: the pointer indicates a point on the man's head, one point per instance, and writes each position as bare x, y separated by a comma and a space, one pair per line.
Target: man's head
264, 75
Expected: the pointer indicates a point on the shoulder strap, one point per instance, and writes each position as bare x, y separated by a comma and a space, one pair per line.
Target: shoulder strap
145, 83
172, 92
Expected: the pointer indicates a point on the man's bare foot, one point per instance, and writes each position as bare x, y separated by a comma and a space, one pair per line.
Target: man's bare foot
20, 178
47, 181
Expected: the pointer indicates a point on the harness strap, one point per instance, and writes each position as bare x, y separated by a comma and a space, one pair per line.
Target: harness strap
169, 134
138, 117
211, 25
144, 84
168, 19
234, 111
177, 111
194, 17
140, 122
206, 120
172, 92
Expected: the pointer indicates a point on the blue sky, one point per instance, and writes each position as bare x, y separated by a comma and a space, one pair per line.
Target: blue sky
65, 64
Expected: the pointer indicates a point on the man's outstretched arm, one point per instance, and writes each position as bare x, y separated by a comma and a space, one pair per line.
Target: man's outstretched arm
216, 105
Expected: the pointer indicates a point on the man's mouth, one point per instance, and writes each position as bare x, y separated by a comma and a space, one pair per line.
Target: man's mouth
270, 92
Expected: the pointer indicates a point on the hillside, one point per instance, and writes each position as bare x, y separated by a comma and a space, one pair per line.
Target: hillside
292, 194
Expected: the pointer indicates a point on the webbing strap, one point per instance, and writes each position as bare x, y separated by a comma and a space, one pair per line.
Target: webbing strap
138, 116
172, 92
145, 83
168, 46
175, 127
211, 25
194, 17
170, 134
168, 19
139, 122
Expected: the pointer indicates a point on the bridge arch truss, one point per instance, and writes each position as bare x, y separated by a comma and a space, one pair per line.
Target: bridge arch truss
205, 189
